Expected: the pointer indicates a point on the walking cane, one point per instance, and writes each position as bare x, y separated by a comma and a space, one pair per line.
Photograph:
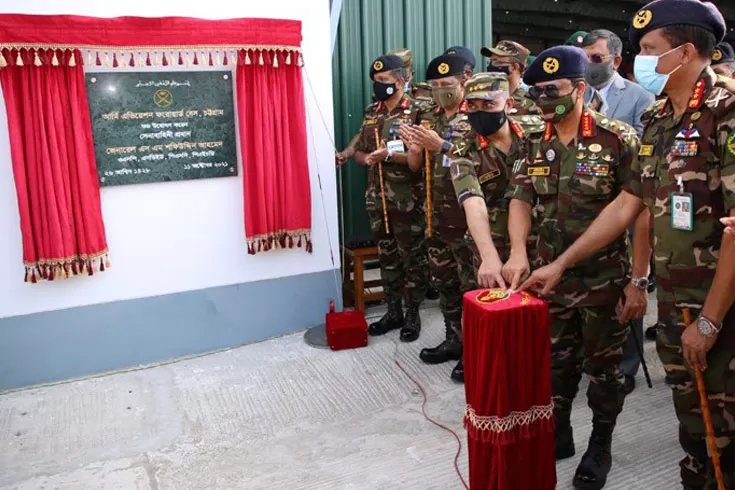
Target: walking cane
706, 415
639, 348
382, 184
429, 203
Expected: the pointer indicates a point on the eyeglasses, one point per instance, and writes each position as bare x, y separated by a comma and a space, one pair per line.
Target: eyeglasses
597, 59
550, 91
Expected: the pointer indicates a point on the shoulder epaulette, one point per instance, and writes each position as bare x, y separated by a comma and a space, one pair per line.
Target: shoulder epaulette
624, 131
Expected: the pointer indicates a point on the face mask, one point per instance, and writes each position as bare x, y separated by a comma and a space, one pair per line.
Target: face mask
446, 97
524, 86
384, 91
406, 87
560, 107
495, 68
598, 74
645, 72
487, 123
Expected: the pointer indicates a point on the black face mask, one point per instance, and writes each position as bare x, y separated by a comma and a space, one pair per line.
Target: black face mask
487, 123
384, 91
495, 68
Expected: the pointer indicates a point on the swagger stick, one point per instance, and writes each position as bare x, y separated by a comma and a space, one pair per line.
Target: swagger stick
382, 184
706, 415
429, 203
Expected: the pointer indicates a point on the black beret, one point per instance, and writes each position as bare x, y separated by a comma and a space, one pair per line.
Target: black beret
662, 13
386, 62
557, 63
464, 53
446, 65
723, 54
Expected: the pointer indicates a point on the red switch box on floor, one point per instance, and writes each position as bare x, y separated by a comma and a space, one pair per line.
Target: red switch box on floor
346, 330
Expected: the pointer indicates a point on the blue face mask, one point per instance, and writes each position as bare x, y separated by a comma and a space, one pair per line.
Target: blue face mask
645, 72
524, 86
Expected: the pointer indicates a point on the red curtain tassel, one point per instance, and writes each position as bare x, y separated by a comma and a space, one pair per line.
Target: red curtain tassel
211, 63
34, 280
181, 60
196, 60
132, 59
102, 264
107, 262
247, 58
260, 59
288, 58
55, 60
28, 276
98, 61
148, 59
36, 59
51, 274
72, 59
224, 60
114, 60
275, 59
164, 61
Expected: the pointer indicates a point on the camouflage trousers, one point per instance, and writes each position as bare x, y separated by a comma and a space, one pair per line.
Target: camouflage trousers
697, 472
403, 261
452, 265
589, 340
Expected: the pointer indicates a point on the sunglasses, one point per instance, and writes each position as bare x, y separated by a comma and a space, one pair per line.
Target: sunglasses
550, 91
597, 59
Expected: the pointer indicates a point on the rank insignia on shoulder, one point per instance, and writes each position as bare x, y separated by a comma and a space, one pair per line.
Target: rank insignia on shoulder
489, 176
645, 151
539, 171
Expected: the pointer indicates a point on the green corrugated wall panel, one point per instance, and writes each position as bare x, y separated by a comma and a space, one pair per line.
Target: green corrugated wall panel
369, 28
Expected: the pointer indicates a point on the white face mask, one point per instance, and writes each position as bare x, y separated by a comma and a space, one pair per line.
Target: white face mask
645, 72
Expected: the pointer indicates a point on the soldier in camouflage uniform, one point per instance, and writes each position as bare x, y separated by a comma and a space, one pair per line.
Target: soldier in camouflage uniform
685, 175
723, 60
445, 132
482, 176
397, 227
510, 57
575, 168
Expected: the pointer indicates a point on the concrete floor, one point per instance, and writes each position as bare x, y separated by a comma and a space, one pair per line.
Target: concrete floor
282, 415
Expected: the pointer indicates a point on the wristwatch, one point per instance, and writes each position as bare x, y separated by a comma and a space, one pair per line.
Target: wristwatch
389, 158
706, 327
640, 283
446, 146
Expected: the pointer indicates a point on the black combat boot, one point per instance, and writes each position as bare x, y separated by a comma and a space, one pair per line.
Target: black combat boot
563, 436
597, 461
392, 319
449, 350
458, 372
412, 326
432, 293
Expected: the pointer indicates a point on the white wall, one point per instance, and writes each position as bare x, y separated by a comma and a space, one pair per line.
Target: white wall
181, 236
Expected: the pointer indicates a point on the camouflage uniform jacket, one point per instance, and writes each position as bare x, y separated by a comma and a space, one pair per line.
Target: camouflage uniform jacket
422, 92
401, 192
447, 215
573, 185
486, 172
522, 104
698, 148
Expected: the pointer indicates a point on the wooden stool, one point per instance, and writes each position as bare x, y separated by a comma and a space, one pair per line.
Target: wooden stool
354, 288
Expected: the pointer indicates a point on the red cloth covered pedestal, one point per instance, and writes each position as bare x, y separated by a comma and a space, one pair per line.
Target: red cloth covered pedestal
507, 369
346, 330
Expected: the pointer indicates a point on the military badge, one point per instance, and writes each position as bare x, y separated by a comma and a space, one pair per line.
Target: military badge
696, 116
550, 155
443, 69
378, 65
717, 55
594, 156
642, 19
608, 158
685, 149
538, 171
593, 169
489, 176
581, 155
645, 151
492, 295
595, 148
688, 134
731, 143
551, 65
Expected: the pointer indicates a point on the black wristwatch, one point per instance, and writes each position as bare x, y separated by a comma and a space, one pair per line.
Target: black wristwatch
446, 146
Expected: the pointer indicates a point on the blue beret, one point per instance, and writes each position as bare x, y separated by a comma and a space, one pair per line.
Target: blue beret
464, 53
557, 63
723, 54
662, 13
386, 62
446, 65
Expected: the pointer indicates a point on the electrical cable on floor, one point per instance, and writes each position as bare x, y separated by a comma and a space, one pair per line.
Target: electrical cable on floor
425, 399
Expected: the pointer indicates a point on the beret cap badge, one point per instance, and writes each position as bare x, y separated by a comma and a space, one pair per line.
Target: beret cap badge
378, 65
443, 68
642, 19
717, 56
551, 65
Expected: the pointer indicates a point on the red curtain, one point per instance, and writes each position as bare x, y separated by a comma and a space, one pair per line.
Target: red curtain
54, 166
509, 416
272, 120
